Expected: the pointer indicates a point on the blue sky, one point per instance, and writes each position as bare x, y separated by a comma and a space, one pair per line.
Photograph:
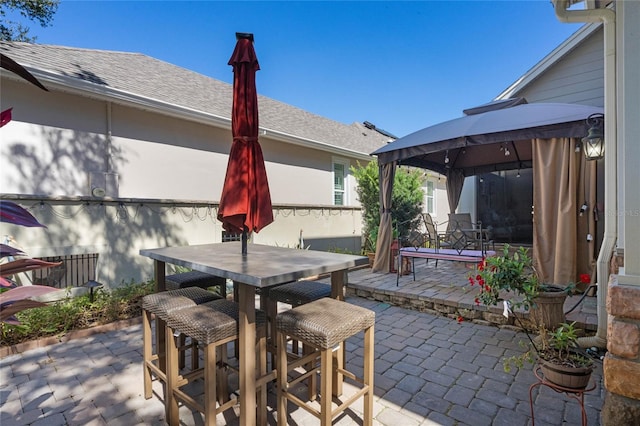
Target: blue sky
400, 65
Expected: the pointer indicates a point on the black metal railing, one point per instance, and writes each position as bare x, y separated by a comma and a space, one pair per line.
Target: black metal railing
75, 270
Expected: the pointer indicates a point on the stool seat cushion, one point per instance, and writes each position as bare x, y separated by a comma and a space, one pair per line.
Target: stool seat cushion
324, 323
165, 302
211, 321
231, 309
202, 323
193, 279
300, 292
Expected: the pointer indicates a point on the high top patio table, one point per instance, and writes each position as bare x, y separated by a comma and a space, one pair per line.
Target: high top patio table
262, 267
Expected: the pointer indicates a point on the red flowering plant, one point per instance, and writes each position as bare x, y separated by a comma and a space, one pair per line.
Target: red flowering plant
510, 277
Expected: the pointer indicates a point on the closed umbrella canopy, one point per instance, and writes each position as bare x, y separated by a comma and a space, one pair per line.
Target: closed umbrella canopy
245, 204
11, 65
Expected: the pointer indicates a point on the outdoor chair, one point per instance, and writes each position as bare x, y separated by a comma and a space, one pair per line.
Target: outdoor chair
432, 238
463, 234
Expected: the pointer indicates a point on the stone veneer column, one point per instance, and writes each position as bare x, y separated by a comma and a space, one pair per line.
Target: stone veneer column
621, 367
622, 363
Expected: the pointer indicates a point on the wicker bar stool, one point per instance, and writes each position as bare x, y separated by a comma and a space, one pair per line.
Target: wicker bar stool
161, 305
213, 325
295, 294
300, 292
324, 324
196, 279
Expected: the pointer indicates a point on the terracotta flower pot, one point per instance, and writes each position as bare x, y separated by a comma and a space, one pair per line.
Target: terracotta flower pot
548, 311
372, 258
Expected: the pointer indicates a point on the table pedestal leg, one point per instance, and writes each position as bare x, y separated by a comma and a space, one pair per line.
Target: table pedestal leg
338, 280
161, 285
247, 342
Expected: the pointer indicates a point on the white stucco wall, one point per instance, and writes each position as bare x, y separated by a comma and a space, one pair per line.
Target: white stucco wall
163, 177
118, 230
37, 155
58, 142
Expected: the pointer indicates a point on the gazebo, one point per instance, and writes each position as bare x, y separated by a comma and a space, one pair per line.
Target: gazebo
507, 135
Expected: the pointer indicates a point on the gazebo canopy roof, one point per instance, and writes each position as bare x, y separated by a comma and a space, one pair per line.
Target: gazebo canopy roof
488, 139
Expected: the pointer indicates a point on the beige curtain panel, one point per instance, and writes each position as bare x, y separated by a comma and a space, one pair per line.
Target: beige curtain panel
455, 181
385, 231
562, 181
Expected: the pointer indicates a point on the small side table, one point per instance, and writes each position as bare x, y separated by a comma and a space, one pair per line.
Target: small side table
577, 394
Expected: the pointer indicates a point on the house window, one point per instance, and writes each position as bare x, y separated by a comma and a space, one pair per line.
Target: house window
429, 199
339, 183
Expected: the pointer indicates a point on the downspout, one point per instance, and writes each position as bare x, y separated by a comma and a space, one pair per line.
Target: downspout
607, 16
108, 165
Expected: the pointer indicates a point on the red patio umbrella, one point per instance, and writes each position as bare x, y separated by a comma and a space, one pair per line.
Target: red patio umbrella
245, 204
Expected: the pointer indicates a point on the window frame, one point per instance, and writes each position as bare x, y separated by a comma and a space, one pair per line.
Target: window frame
345, 180
432, 197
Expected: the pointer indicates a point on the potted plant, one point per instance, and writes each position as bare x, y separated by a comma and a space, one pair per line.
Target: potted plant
370, 244
511, 278
561, 360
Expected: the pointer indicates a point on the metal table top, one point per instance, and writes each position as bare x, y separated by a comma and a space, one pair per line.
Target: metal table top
263, 266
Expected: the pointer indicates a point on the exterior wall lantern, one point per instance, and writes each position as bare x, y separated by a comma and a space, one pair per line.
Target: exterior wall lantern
593, 143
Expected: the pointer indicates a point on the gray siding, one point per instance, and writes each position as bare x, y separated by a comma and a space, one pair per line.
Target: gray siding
577, 79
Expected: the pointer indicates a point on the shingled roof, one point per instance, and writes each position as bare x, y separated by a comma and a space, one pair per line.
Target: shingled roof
138, 76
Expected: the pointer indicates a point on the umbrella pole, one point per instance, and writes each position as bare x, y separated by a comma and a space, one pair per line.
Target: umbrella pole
244, 241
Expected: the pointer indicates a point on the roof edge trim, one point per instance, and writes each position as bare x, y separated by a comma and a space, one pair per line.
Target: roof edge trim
109, 94
127, 98
309, 143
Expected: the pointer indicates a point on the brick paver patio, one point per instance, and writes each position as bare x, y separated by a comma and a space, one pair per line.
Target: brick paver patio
430, 370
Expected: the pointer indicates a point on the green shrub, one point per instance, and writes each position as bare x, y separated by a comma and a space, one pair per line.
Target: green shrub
340, 250
75, 313
406, 202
